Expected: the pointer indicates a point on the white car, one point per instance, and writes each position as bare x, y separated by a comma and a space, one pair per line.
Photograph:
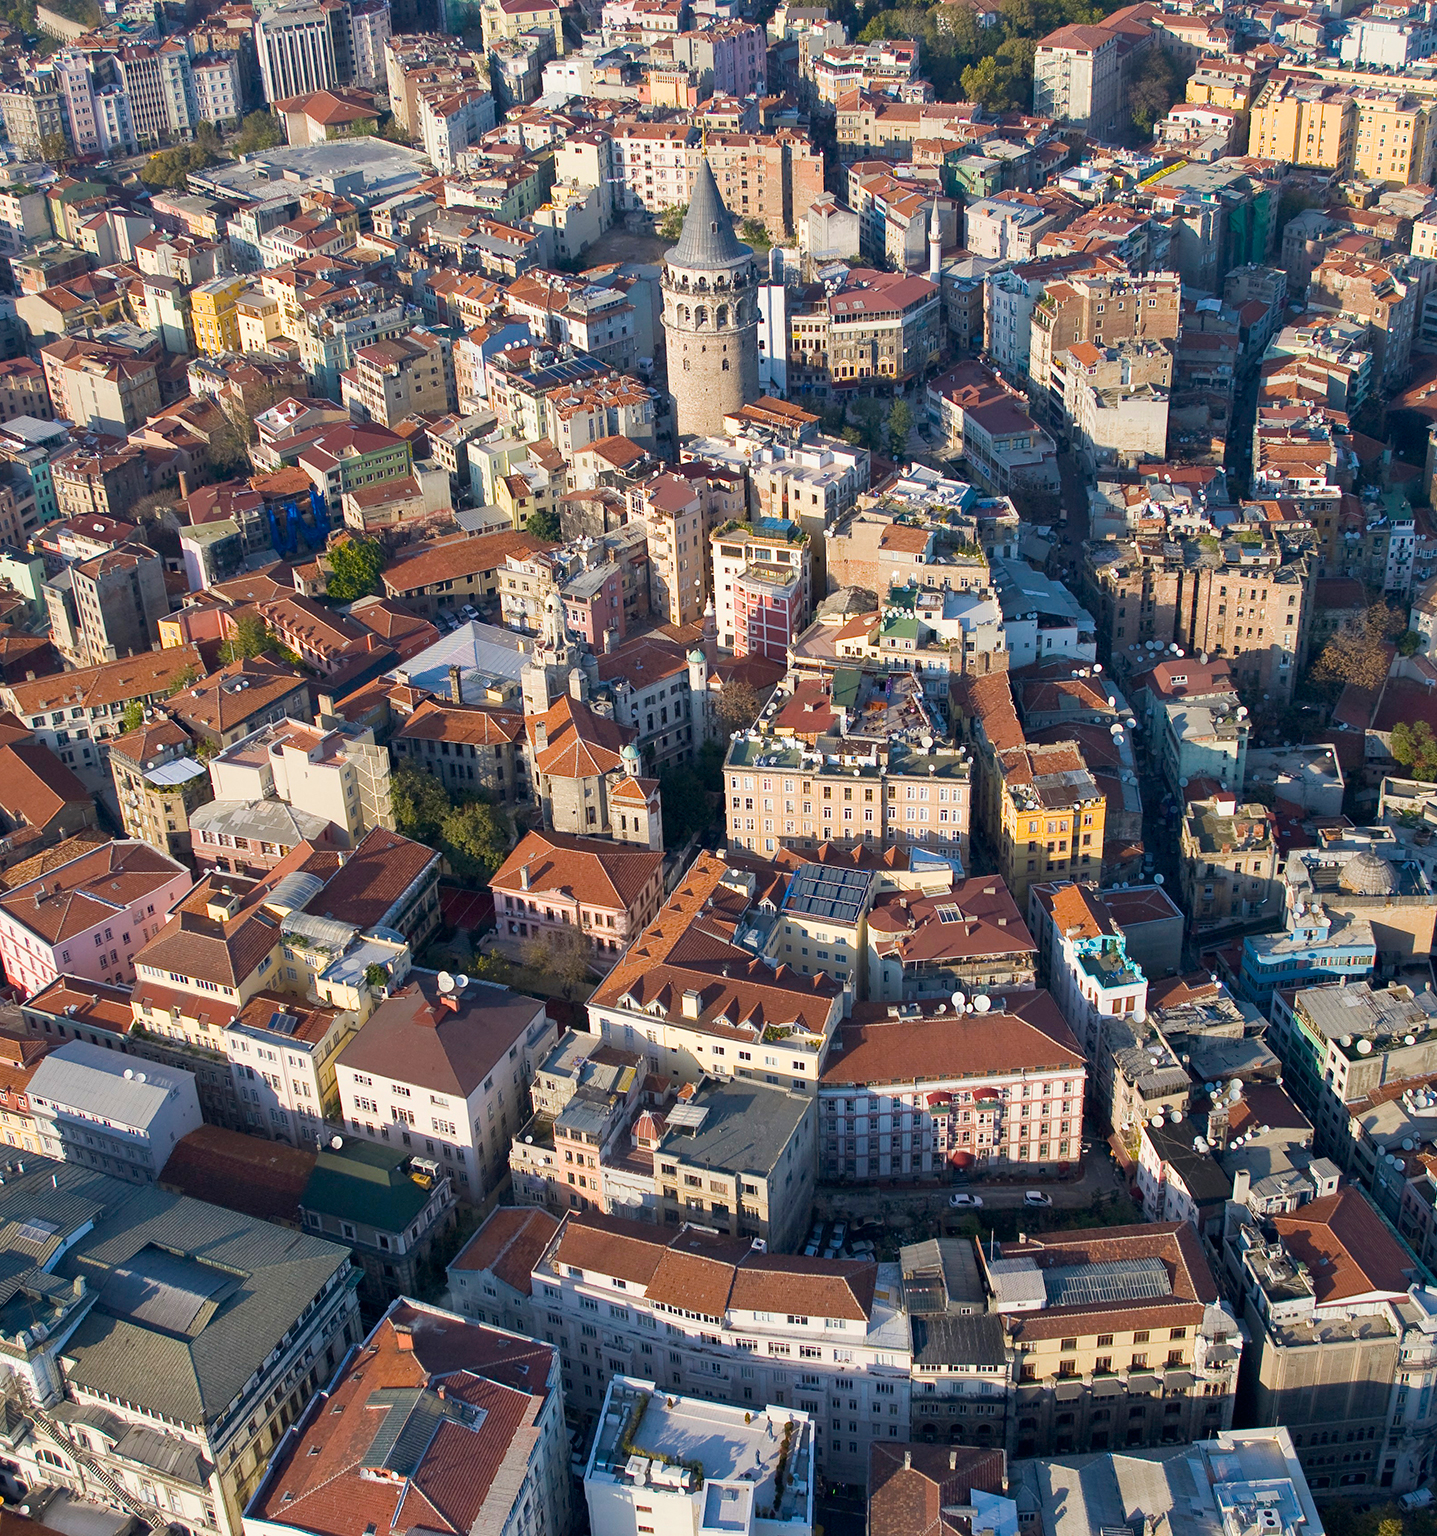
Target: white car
811, 1252
962, 1202
1036, 1197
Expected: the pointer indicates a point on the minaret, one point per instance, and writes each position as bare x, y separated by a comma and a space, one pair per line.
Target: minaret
935, 246
710, 288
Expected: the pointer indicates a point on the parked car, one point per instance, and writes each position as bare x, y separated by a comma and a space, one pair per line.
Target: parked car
840, 1231
469, 611
1036, 1197
962, 1202
811, 1252
863, 1250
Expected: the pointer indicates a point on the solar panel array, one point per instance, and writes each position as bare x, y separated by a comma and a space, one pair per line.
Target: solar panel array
822, 891
1076, 1285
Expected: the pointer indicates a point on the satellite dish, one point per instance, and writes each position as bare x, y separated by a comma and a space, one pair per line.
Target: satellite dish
129, 1073
1182, 783
1097, 666
1409, 1039
139, 1077
446, 982
1176, 1116
1157, 879
1156, 1121
1364, 1047
982, 1003
336, 1142
460, 982
959, 998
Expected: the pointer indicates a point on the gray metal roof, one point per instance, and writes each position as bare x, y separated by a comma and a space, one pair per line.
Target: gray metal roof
267, 1274
708, 241
267, 821
746, 1126
974, 1338
93, 1081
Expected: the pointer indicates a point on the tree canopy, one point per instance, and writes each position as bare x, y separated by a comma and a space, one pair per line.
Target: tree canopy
355, 567
470, 831
259, 130
1155, 87
1415, 748
545, 525
671, 221
1359, 655
172, 167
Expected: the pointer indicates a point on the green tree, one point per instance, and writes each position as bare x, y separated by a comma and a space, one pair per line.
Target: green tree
565, 957
393, 130
491, 966
134, 716
420, 803
251, 638
1153, 91
870, 424
545, 525
183, 679
260, 130
55, 148
900, 424
685, 803
1415, 748
671, 221
754, 232
355, 567
737, 706
475, 839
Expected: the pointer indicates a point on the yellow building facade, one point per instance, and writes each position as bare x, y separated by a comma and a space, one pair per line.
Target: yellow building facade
214, 313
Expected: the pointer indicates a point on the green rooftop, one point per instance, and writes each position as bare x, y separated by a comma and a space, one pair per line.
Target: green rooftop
365, 1182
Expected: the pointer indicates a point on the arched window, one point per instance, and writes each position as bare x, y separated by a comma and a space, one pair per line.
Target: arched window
725, 365
683, 314
686, 365
703, 285
721, 315
701, 316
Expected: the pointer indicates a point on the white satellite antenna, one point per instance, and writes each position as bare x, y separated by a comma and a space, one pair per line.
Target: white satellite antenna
959, 998
336, 1142
460, 982
982, 1003
446, 982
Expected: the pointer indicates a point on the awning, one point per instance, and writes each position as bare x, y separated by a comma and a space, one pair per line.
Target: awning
1066, 1391
1178, 1380
1107, 1386
1143, 1384
940, 1098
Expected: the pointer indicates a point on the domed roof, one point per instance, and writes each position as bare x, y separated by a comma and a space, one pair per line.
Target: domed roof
1368, 874
629, 752
708, 240
696, 655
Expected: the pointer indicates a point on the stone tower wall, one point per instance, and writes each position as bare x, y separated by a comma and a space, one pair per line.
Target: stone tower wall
704, 390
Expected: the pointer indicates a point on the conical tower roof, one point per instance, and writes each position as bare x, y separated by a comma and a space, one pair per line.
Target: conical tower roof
708, 239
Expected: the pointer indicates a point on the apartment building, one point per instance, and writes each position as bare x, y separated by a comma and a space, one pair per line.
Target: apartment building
1333, 1278
673, 512
1304, 121
1229, 862
404, 376
1104, 309
718, 1325
1100, 1367
90, 1107
607, 891
465, 1394
227, 705
910, 1089
295, 49
1076, 78
691, 1024
967, 936
88, 917
1340, 1044
445, 1071
214, 313
466, 746
118, 600
762, 587
1084, 960
290, 1307
339, 775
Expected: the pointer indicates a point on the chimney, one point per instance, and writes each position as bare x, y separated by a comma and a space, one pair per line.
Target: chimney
1241, 1184
523, 877
907, 1459
541, 736
184, 485
456, 686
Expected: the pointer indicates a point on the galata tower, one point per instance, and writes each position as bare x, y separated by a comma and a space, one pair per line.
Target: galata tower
710, 288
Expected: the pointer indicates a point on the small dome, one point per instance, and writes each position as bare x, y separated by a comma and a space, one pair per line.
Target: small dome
629, 753
696, 656
1368, 874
